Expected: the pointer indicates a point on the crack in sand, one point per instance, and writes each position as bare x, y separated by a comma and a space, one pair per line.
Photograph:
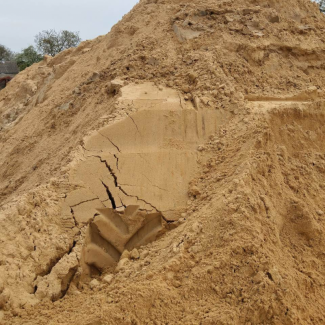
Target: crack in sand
110, 195
117, 185
74, 217
117, 162
133, 122
94, 199
118, 149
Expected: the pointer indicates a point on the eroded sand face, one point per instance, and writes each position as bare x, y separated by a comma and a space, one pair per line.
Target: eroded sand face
145, 159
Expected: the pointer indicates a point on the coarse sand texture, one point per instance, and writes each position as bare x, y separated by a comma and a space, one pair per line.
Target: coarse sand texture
169, 172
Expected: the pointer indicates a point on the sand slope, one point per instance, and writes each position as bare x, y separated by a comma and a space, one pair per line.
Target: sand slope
202, 125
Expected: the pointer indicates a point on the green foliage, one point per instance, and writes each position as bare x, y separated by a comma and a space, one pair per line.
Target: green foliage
51, 42
5, 54
27, 57
47, 42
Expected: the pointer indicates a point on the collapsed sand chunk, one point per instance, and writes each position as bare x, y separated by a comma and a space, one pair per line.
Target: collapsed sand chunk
94, 284
108, 278
125, 254
114, 86
54, 285
86, 50
134, 254
121, 264
144, 254
94, 77
197, 228
274, 275
273, 17
194, 191
77, 91
185, 34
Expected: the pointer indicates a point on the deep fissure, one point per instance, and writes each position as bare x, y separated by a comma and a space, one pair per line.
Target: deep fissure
119, 187
73, 216
94, 199
118, 149
110, 195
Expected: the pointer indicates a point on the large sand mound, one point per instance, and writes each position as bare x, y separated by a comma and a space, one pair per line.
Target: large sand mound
171, 171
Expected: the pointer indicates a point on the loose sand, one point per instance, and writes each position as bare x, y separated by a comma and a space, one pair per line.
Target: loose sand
169, 172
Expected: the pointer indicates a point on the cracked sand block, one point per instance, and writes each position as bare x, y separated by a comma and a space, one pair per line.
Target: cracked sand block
149, 157
80, 204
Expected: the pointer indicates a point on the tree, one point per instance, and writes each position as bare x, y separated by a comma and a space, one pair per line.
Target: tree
5, 54
321, 4
51, 42
27, 57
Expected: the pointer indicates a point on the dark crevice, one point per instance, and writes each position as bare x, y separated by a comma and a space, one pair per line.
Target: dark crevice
133, 122
122, 203
118, 149
180, 243
166, 220
117, 161
65, 285
143, 201
119, 187
109, 169
52, 262
73, 216
137, 198
110, 195
73, 246
66, 281
269, 275
73, 206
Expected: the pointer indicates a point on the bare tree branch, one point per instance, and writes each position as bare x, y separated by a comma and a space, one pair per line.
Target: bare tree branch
51, 42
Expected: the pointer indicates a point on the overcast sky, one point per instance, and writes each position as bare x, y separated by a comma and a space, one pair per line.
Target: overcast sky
21, 20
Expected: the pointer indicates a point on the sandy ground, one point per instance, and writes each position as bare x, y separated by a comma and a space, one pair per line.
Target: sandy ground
169, 172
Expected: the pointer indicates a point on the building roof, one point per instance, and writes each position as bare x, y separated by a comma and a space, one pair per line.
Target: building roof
8, 67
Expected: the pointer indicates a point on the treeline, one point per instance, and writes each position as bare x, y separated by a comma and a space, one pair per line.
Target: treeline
48, 42
321, 4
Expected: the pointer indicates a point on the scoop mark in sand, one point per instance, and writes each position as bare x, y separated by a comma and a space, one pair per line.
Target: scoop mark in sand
109, 235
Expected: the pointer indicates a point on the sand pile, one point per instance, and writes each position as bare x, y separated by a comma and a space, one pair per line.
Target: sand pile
171, 171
